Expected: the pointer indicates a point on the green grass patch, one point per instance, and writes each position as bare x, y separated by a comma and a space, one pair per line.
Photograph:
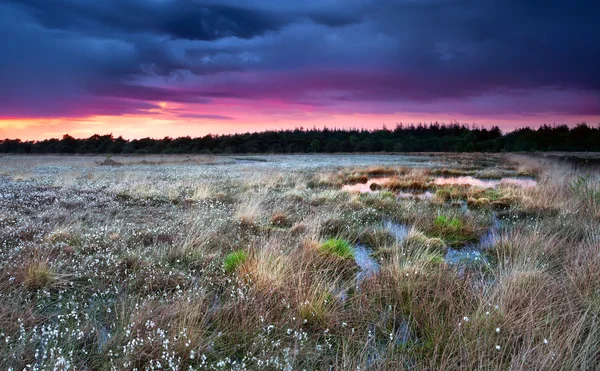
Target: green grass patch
338, 247
452, 230
233, 260
447, 222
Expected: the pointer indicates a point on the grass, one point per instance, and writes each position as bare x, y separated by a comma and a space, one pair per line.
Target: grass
210, 265
406, 184
452, 230
38, 275
234, 260
337, 247
376, 238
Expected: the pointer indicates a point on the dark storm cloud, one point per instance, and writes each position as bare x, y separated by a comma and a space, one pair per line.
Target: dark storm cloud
177, 19
119, 54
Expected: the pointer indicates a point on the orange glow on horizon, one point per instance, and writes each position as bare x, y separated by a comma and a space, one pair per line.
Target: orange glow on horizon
162, 124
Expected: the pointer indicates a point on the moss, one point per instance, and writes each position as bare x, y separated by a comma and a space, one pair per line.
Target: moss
446, 222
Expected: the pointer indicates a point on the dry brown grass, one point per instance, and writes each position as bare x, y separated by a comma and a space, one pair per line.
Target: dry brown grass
413, 183
280, 220
38, 274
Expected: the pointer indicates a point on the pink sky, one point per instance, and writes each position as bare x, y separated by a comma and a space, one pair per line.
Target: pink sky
227, 116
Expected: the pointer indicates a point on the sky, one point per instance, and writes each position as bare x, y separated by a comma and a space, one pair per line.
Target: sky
155, 68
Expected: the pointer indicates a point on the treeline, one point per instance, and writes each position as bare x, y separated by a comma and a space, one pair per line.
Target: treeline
403, 138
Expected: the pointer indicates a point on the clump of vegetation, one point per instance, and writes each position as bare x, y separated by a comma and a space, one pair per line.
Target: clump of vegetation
451, 172
418, 240
38, 275
406, 184
108, 161
493, 173
379, 171
337, 247
298, 229
319, 309
586, 190
452, 193
478, 203
376, 238
333, 227
355, 178
234, 260
280, 220
443, 221
63, 236
452, 230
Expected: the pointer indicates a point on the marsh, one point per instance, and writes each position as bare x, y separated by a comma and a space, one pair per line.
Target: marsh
299, 262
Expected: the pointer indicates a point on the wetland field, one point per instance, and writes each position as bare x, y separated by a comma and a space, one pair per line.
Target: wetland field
299, 262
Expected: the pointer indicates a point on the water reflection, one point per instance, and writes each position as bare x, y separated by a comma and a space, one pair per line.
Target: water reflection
365, 187
484, 183
373, 185
368, 266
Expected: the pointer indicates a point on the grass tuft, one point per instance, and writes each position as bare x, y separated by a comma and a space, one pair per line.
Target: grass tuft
234, 260
38, 275
453, 230
338, 247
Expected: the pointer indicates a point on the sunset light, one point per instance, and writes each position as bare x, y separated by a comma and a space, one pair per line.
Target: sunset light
70, 67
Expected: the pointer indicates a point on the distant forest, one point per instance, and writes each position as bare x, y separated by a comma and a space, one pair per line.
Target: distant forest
403, 138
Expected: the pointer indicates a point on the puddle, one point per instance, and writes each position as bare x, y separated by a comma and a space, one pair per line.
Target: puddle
463, 256
364, 187
362, 254
485, 183
368, 266
400, 231
460, 180
471, 253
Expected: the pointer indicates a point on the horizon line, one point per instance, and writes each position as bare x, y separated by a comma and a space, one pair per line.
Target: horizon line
471, 126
